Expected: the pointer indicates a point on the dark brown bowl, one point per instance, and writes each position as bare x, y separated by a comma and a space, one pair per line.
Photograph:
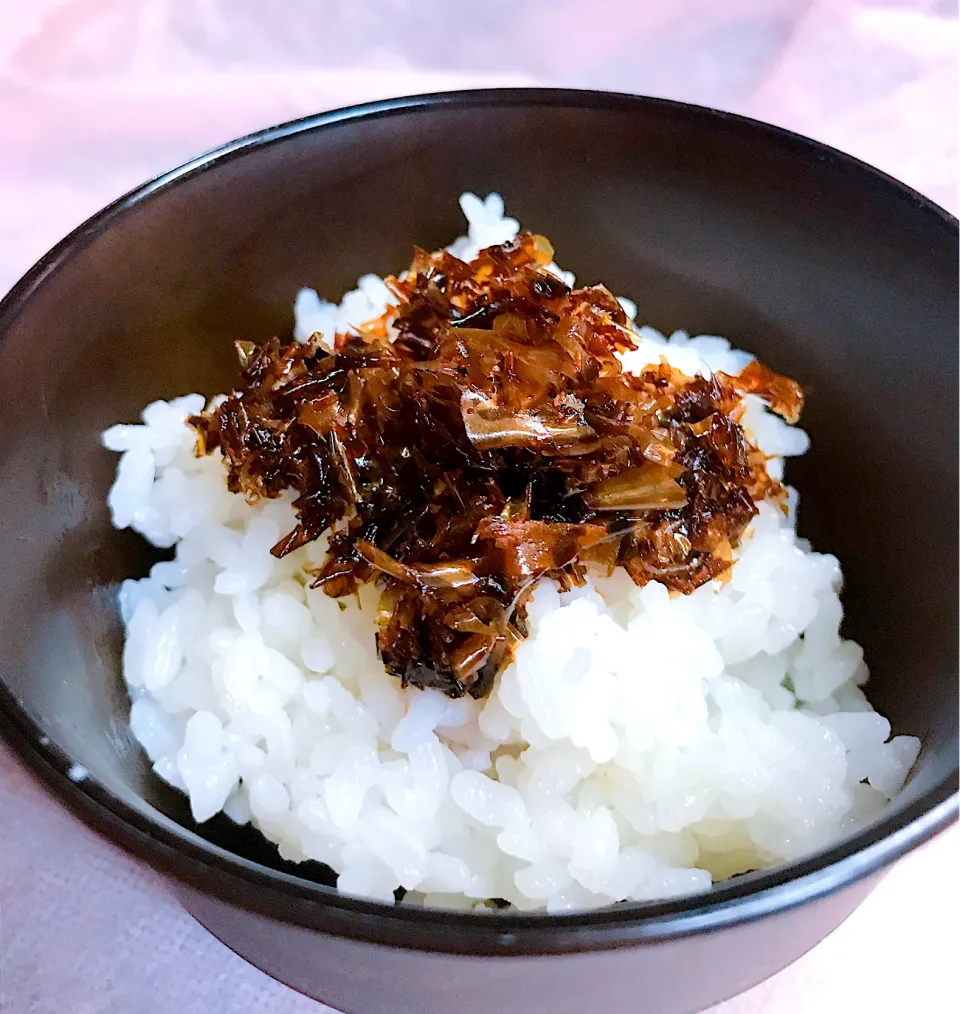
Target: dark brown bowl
828, 269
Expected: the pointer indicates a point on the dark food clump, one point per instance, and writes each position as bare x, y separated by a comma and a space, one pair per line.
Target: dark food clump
495, 441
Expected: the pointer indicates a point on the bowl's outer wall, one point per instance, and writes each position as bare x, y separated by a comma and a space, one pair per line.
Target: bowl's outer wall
827, 271
673, 977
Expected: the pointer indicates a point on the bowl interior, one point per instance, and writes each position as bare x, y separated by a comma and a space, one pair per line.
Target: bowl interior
828, 271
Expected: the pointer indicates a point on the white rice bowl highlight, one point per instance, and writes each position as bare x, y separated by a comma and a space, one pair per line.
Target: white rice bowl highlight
639, 746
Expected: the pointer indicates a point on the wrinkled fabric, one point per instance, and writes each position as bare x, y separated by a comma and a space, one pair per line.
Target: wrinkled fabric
98, 95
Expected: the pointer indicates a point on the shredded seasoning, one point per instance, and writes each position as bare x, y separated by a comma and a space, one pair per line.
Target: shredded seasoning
483, 435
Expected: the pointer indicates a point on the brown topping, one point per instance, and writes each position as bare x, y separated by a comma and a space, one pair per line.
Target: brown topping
782, 394
648, 487
494, 441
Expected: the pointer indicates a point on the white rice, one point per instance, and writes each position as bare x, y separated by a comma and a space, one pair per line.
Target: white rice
639, 746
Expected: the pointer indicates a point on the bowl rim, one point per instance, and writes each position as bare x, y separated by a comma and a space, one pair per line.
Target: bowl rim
184, 855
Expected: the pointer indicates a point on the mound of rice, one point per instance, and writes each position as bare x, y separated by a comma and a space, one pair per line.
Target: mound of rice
640, 745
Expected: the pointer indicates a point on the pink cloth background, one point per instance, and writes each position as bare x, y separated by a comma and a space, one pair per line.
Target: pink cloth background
97, 95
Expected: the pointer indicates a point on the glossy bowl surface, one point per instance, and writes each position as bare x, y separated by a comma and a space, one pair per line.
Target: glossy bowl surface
827, 269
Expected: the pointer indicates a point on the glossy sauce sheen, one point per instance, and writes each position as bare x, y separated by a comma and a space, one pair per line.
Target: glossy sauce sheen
482, 435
